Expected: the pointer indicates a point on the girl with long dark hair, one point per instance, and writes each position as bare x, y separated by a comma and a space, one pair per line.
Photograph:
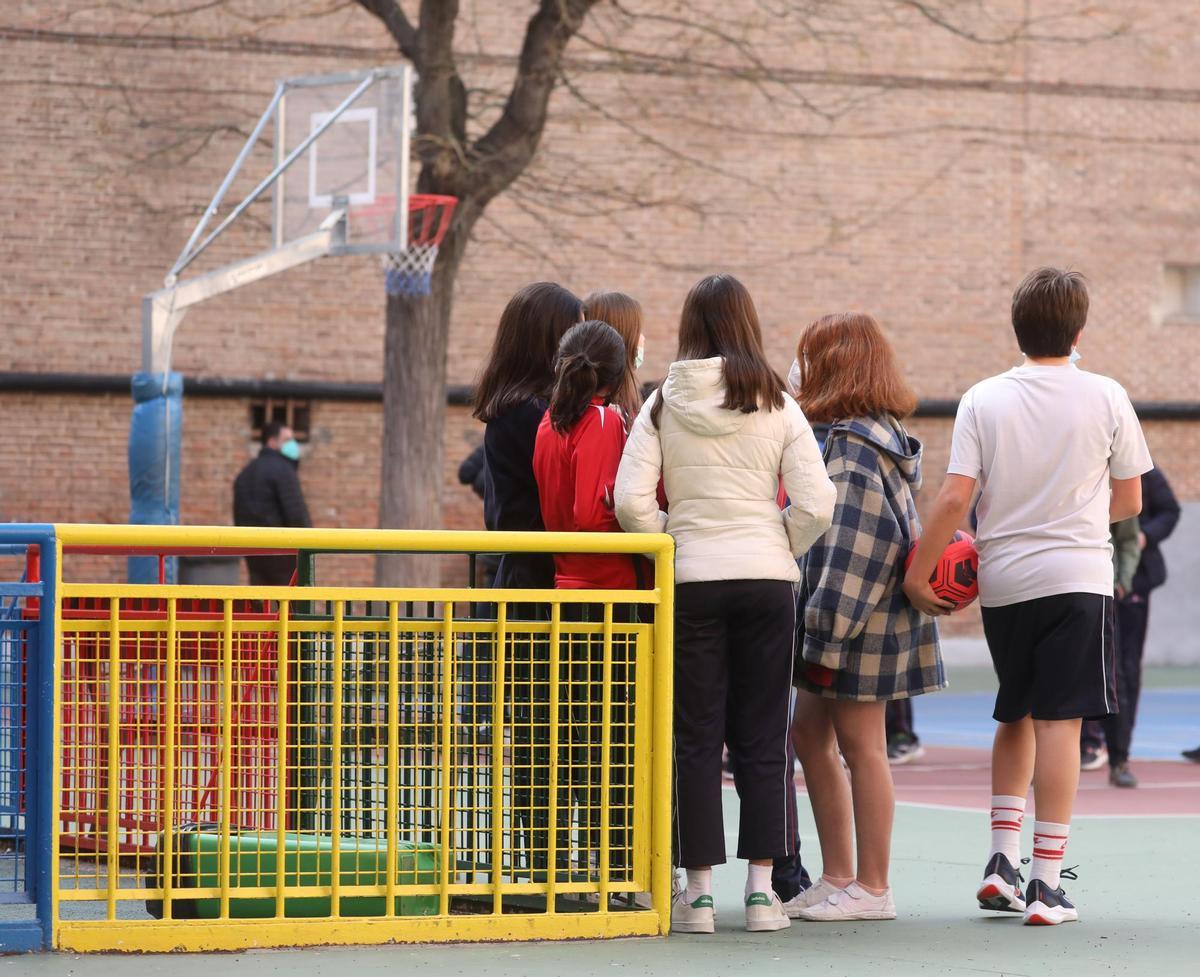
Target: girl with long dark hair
722, 434
513, 393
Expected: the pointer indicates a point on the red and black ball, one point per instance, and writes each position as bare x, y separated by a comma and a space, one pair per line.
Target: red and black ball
955, 576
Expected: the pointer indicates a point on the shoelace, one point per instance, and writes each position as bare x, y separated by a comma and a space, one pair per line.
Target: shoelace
1066, 873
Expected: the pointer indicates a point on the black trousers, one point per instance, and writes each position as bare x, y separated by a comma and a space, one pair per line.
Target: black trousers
733, 670
898, 719
1133, 614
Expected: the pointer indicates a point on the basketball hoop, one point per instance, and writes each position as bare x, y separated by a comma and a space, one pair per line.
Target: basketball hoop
410, 272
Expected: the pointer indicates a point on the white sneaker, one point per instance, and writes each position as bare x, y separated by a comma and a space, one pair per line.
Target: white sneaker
764, 913
852, 902
809, 897
697, 916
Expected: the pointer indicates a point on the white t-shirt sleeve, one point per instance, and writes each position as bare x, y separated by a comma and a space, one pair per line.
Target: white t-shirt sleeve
965, 455
1130, 456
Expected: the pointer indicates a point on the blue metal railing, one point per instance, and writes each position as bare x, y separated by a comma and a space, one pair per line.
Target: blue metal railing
13, 638
26, 738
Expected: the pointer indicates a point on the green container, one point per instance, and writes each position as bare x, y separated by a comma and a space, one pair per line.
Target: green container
307, 861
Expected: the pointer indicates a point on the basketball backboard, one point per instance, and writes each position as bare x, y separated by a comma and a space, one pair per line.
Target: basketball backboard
359, 161
339, 186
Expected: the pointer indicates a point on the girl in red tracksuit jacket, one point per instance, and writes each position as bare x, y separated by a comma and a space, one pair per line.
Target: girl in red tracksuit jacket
575, 461
577, 453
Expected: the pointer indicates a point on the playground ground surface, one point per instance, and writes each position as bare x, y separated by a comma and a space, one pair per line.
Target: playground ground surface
1137, 852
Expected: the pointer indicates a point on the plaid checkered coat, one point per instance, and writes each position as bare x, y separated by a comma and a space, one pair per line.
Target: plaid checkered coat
853, 616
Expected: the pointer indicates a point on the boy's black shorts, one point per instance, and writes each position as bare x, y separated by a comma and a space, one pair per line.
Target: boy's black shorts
1054, 656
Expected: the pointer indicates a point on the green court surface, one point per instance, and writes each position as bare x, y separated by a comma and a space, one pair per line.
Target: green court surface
1135, 895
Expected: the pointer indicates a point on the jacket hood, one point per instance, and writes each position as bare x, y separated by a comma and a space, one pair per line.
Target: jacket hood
694, 391
885, 432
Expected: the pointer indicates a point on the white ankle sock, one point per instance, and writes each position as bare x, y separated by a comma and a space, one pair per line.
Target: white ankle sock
699, 883
1007, 814
758, 878
1049, 843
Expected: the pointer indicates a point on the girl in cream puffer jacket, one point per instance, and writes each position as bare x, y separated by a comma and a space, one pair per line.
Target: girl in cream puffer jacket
721, 470
722, 435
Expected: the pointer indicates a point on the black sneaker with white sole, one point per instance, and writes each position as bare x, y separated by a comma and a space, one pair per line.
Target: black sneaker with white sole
1000, 890
1048, 907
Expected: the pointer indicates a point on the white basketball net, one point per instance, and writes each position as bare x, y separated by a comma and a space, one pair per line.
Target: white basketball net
410, 272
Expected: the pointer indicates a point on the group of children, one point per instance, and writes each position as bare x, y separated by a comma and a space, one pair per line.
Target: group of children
790, 562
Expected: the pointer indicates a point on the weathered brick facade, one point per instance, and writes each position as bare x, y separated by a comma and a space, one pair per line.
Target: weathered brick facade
945, 170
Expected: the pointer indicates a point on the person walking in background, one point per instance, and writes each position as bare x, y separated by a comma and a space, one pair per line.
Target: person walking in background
624, 314
1159, 516
1093, 753
1059, 454
267, 493
861, 643
722, 433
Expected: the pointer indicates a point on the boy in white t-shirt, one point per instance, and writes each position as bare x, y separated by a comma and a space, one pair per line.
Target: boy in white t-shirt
1058, 455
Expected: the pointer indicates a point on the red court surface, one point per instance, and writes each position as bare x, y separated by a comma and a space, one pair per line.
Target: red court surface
958, 778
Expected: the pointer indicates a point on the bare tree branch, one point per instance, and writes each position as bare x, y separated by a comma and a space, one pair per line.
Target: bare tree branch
1023, 29
397, 23
507, 148
441, 97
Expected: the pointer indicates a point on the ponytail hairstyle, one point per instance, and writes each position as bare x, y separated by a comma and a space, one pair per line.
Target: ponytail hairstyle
624, 314
591, 358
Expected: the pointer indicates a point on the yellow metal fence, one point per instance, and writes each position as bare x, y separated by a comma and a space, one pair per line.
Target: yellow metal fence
282, 766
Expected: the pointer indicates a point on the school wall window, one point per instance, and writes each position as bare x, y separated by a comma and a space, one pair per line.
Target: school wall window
296, 414
1181, 291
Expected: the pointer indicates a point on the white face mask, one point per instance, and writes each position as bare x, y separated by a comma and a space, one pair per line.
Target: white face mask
1076, 356
793, 378
640, 356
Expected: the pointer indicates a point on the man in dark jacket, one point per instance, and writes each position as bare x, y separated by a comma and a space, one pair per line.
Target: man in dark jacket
1160, 513
267, 493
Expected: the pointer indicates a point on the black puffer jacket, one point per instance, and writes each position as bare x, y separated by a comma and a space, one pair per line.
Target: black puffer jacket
267, 493
511, 502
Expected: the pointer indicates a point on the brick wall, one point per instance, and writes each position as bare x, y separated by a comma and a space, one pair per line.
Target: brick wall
922, 197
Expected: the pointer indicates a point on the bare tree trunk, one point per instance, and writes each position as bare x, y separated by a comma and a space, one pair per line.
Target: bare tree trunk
414, 411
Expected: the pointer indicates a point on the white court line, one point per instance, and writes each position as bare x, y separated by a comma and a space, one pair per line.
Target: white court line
1082, 787
925, 805
1077, 817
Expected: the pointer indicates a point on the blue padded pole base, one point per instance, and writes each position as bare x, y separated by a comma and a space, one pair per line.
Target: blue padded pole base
155, 436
